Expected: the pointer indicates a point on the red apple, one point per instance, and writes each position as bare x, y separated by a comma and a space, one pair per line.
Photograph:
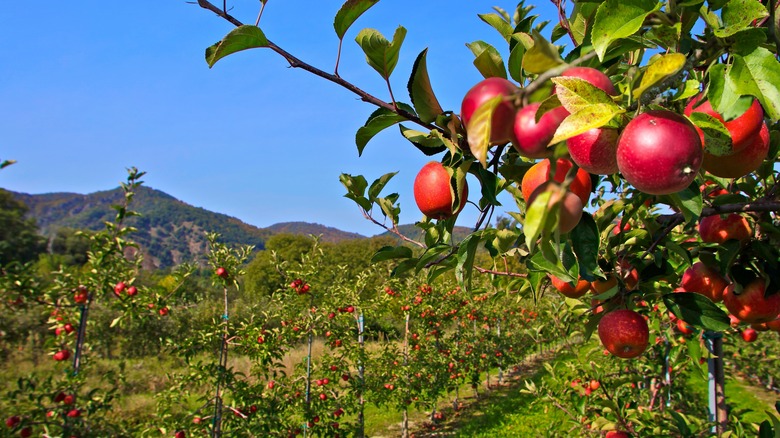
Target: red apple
531, 138
539, 173
683, 327
26, 432
715, 229
61, 355
624, 333
180, 434
594, 385
616, 434
503, 115
119, 288
749, 335
581, 288
132, 291
751, 305
569, 205
705, 280
595, 150
594, 77
433, 194
742, 129
163, 311
743, 162
74, 413
13, 421
221, 272
774, 324
659, 152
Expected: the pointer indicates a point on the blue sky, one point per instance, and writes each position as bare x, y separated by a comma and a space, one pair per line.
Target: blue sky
88, 90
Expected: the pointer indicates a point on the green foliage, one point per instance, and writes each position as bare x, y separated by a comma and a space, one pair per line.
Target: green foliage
19, 239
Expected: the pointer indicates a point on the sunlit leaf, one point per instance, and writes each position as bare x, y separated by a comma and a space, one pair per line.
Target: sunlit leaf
758, 74
661, 68
717, 140
542, 56
617, 19
421, 92
350, 11
738, 15
241, 38
592, 116
478, 129
488, 60
381, 54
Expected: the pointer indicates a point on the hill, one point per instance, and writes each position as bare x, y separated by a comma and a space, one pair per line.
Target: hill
412, 232
169, 231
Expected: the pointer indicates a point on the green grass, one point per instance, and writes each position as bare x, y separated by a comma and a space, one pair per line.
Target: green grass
751, 401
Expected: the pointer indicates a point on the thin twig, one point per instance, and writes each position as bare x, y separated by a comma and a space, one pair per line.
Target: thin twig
503, 273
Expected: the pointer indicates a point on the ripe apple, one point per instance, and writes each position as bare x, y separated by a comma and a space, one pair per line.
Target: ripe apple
60, 396
61, 355
624, 333
684, 327
163, 311
774, 324
749, 335
539, 173
13, 421
132, 291
119, 288
581, 288
74, 413
740, 163
595, 150
659, 152
705, 280
594, 385
600, 286
81, 295
715, 229
433, 193
594, 77
570, 205
69, 399
323, 396
180, 434
26, 432
751, 305
502, 121
616, 434
221, 272
742, 129
620, 226
531, 138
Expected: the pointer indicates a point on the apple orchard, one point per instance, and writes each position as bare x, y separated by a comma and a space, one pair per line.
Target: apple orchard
638, 140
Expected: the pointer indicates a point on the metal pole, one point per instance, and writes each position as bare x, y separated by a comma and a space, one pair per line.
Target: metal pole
361, 370
716, 382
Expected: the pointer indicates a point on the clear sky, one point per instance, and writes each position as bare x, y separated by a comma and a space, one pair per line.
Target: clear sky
90, 88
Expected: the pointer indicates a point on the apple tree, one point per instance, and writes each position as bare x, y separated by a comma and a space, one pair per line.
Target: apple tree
638, 139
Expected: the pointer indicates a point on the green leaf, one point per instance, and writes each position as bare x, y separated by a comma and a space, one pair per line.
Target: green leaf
490, 186
115, 321
466, 253
535, 219
717, 139
498, 23
478, 129
515, 63
379, 184
539, 263
350, 11
381, 54
388, 206
505, 240
356, 188
658, 70
690, 89
576, 94
241, 38
420, 91
585, 241
428, 143
392, 252
617, 19
592, 116
581, 17
378, 121
697, 310
488, 61
723, 95
689, 201
758, 74
542, 56
738, 15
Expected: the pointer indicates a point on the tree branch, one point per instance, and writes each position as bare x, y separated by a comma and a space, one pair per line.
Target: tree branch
297, 63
